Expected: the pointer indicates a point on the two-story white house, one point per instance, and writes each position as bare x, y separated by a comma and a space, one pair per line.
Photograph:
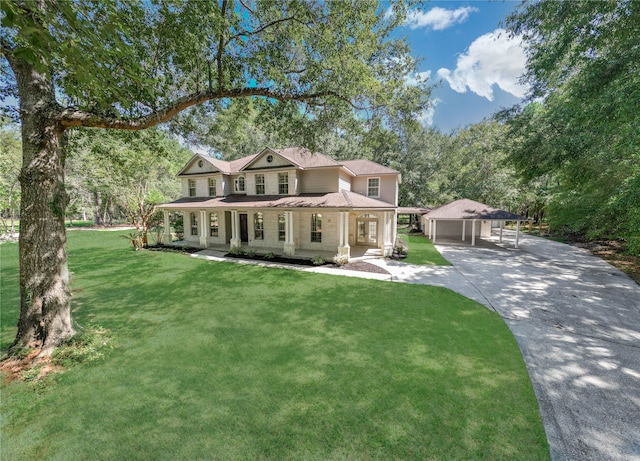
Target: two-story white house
285, 201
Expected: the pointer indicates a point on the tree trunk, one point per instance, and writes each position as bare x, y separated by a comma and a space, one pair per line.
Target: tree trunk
97, 215
45, 311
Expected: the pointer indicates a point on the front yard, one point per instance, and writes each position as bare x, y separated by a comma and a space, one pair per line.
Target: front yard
229, 361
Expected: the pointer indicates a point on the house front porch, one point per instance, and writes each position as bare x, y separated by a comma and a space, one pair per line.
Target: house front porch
357, 252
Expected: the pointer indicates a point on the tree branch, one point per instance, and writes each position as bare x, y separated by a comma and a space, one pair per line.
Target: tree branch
72, 117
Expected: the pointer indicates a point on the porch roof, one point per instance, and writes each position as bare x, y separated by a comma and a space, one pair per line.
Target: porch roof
341, 199
469, 209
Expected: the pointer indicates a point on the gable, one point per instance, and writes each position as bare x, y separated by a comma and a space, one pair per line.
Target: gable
268, 159
198, 165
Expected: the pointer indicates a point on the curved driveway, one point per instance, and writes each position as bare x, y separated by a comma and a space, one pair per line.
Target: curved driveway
577, 321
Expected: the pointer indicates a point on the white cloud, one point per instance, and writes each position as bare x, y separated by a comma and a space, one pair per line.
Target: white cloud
426, 117
492, 59
418, 77
438, 18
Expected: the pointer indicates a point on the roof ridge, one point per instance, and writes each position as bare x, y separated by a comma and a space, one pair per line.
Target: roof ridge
346, 197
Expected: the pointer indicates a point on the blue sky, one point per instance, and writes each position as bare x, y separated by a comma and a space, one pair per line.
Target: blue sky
462, 45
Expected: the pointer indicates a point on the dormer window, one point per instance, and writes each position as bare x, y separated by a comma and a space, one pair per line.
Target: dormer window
373, 187
192, 188
212, 187
238, 184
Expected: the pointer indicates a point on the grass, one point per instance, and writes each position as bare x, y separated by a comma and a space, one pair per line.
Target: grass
229, 361
422, 251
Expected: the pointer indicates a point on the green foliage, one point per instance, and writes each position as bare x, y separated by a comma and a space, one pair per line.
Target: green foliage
318, 260
10, 160
238, 251
269, 256
300, 366
581, 132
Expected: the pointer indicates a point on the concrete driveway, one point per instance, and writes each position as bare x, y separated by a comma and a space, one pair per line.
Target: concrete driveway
577, 321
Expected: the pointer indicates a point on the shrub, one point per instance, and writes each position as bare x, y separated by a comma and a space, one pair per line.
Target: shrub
251, 252
318, 260
269, 256
340, 260
238, 251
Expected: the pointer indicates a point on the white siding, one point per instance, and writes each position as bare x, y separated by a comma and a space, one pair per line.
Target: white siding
318, 181
261, 162
344, 181
388, 187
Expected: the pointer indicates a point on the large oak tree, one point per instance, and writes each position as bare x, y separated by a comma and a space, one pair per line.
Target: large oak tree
133, 65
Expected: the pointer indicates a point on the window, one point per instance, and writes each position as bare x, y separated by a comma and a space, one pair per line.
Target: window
212, 187
260, 184
316, 227
283, 183
281, 227
213, 224
194, 224
239, 184
269, 158
192, 188
258, 226
373, 187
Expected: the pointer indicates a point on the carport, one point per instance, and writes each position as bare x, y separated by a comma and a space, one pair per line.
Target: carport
467, 219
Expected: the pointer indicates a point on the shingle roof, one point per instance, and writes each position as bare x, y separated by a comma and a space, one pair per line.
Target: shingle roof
342, 199
305, 158
470, 209
412, 210
367, 167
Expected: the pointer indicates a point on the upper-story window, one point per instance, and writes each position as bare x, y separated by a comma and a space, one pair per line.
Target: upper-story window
212, 187
258, 226
238, 184
283, 183
259, 184
192, 188
316, 227
373, 187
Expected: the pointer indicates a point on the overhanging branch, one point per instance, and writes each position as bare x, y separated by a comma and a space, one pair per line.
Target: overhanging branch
72, 117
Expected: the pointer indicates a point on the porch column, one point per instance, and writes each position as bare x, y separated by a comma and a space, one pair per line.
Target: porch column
473, 233
501, 227
517, 233
429, 228
464, 228
289, 243
387, 247
167, 228
234, 242
343, 233
203, 229
435, 226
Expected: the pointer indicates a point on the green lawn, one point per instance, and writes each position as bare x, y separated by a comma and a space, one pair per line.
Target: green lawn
229, 361
422, 251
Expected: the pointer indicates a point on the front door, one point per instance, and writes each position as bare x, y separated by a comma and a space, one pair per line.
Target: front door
367, 231
244, 228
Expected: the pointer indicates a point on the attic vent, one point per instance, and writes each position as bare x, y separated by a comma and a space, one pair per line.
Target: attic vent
200, 163
269, 158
